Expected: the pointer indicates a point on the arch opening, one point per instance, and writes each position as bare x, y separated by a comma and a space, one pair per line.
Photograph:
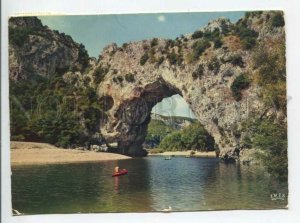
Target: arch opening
174, 127
156, 101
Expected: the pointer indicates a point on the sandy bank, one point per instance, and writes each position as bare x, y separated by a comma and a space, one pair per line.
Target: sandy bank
23, 153
186, 153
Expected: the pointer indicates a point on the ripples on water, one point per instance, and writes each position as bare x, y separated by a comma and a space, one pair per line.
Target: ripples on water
152, 184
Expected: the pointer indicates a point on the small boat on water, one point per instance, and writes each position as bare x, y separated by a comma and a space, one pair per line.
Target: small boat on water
187, 156
168, 158
121, 172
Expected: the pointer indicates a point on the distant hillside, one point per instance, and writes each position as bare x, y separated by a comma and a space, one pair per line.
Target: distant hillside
176, 122
160, 126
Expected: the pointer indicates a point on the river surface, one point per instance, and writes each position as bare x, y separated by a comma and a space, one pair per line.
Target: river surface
152, 184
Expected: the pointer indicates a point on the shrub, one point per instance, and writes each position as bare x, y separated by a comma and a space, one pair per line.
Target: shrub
86, 80
144, 58
218, 43
99, 74
271, 75
214, 65
199, 47
83, 56
154, 42
271, 138
240, 83
248, 36
129, 77
225, 27
278, 20
120, 79
174, 58
169, 43
197, 34
18, 36
160, 61
236, 60
198, 73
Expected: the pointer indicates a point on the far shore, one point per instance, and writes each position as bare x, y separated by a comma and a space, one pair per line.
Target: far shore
28, 153
210, 154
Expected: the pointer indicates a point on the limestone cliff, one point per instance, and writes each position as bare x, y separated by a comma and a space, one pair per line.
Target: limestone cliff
36, 50
201, 67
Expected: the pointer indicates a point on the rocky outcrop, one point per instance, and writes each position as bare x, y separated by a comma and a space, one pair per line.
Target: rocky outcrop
159, 68
35, 50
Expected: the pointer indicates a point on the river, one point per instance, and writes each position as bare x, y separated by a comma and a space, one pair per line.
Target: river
152, 184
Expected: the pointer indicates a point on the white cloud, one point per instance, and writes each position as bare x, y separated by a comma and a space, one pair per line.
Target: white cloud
161, 18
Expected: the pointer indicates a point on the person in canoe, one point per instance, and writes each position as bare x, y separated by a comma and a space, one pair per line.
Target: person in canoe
119, 172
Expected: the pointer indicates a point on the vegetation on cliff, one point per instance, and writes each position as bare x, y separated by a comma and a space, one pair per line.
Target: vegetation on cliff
270, 138
53, 111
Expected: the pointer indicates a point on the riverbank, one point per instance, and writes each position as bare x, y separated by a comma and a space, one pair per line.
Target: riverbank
26, 153
210, 154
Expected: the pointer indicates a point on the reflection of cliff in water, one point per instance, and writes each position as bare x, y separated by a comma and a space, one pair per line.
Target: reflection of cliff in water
246, 187
86, 187
180, 183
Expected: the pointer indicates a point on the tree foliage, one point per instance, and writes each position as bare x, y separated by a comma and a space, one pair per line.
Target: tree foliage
53, 111
271, 74
271, 138
193, 137
240, 83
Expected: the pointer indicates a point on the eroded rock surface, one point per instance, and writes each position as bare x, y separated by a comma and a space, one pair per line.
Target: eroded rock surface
205, 83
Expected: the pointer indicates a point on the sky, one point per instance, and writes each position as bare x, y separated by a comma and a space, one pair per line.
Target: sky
97, 31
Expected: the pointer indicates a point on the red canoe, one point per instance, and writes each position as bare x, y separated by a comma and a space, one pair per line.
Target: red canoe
121, 172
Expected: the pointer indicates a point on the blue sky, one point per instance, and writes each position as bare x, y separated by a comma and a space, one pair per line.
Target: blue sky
97, 31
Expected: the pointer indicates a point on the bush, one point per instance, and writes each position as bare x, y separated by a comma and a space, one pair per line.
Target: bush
270, 75
278, 20
83, 57
129, 77
160, 61
211, 36
199, 47
214, 65
193, 137
169, 43
174, 58
154, 42
99, 74
236, 60
18, 36
218, 43
271, 138
144, 58
198, 73
240, 83
120, 79
197, 34
248, 36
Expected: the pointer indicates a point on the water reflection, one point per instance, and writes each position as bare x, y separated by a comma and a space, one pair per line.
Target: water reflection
152, 184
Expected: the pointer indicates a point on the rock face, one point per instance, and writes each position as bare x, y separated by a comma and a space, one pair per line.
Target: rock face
38, 51
131, 79
159, 68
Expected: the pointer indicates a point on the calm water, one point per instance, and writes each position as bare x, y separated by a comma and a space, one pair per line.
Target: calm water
185, 184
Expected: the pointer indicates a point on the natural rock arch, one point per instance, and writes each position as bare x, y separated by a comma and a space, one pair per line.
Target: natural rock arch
139, 74
209, 96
